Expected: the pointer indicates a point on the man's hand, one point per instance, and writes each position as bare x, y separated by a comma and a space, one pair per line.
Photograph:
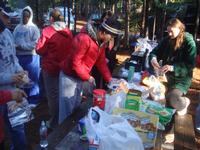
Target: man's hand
18, 77
18, 95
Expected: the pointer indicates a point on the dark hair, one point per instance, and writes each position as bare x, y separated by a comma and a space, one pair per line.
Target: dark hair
107, 13
111, 26
56, 15
28, 11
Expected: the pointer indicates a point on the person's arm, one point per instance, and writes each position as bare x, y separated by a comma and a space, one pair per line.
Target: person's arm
103, 67
5, 96
16, 95
155, 55
188, 62
42, 46
81, 45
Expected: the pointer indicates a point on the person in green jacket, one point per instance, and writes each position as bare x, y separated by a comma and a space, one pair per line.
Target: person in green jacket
178, 54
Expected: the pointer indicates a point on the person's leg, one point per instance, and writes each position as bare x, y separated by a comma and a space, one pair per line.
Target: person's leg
175, 99
51, 84
70, 90
17, 133
2, 145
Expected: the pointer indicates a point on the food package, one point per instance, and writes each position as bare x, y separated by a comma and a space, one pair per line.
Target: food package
145, 124
133, 99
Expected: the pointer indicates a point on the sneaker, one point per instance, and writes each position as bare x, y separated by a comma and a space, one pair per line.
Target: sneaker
184, 110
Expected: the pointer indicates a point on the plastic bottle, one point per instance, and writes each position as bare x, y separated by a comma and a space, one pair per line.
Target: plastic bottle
131, 73
197, 117
43, 135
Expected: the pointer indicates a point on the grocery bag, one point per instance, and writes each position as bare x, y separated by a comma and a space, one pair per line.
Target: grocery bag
19, 113
116, 100
112, 132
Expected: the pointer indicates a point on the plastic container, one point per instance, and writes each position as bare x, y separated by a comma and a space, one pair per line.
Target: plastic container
43, 135
99, 98
82, 129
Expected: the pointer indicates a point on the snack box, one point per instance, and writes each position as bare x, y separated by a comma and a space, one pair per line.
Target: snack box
145, 124
133, 99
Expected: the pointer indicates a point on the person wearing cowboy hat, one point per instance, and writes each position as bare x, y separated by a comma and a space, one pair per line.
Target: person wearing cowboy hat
5, 17
11, 74
88, 50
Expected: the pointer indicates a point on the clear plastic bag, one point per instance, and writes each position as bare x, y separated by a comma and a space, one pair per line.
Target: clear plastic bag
19, 113
113, 132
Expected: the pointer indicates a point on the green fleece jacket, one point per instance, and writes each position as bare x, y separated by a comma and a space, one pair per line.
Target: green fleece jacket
183, 60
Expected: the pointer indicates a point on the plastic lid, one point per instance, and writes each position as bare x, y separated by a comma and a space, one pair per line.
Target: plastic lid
100, 92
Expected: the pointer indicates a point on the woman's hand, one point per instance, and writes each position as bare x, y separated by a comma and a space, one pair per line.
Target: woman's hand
155, 63
167, 68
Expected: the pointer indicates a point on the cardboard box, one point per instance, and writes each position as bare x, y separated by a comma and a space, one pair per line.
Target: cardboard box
133, 100
144, 124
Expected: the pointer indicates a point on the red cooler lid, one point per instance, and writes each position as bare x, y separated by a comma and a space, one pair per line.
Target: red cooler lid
100, 92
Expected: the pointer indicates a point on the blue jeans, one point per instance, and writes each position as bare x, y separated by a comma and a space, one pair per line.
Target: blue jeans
31, 63
17, 133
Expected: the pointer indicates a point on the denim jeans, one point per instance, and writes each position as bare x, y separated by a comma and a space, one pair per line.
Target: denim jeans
17, 134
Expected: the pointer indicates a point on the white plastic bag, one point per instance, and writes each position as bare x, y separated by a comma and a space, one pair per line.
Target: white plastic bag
114, 132
116, 100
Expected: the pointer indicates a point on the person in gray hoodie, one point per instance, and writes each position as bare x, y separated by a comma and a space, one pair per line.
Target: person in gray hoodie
26, 35
11, 74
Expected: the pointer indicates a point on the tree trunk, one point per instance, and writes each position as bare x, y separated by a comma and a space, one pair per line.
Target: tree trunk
68, 12
164, 20
127, 10
37, 12
75, 14
64, 4
53, 3
146, 19
142, 31
197, 19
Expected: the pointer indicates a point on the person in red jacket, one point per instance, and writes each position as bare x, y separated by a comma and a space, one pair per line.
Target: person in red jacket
88, 49
6, 96
53, 46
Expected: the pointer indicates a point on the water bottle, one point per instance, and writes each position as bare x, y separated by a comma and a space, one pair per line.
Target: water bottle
197, 117
43, 135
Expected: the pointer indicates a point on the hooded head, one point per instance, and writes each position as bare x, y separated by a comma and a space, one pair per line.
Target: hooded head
27, 16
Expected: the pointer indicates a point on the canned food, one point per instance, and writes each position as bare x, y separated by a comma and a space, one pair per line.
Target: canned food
99, 98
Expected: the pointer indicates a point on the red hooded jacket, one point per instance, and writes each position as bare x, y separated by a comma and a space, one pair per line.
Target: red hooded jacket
84, 54
53, 46
5, 96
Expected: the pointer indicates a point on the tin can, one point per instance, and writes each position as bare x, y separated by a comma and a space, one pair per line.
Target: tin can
82, 129
99, 98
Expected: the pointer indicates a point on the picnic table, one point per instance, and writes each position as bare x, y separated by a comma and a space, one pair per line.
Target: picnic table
66, 136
